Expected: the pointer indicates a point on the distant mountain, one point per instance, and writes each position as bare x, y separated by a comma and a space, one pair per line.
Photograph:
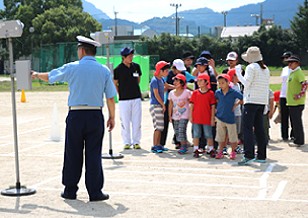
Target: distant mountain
110, 22
282, 11
95, 12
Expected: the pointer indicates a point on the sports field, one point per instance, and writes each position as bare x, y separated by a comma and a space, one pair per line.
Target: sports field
144, 184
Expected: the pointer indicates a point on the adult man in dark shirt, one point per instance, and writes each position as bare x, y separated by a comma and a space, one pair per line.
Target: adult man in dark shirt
126, 79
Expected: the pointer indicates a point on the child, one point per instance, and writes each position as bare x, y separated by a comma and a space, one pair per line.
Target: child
202, 113
225, 97
202, 67
234, 83
179, 110
277, 105
157, 106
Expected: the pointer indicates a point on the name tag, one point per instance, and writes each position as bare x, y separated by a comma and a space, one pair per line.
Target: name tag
135, 74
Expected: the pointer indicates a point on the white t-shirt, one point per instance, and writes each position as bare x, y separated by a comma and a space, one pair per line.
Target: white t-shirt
180, 108
237, 110
284, 75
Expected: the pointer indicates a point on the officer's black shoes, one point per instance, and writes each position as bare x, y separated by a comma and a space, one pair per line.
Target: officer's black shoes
101, 198
67, 197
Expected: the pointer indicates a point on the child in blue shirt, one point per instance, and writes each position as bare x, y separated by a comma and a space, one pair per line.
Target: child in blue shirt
225, 97
157, 106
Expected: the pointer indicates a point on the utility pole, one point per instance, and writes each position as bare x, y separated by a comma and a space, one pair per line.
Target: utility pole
257, 17
261, 14
176, 16
179, 18
199, 32
225, 17
187, 30
115, 22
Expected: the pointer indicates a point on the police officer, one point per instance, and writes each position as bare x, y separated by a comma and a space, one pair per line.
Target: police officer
88, 82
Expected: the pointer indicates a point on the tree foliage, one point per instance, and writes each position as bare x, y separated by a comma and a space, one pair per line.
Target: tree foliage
299, 25
53, 21
272, 43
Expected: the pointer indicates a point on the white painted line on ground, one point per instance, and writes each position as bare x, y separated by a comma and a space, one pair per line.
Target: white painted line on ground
179, 174
199, 161
26, 121
46, 181
263, 181
33, 130
113, 166
293, 164
29, 148
3, 145
279, 190
184, 196
182, 183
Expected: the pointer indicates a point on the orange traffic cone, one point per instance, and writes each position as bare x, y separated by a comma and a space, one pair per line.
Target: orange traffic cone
23, 96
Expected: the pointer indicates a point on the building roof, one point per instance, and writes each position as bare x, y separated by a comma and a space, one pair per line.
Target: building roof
237, 31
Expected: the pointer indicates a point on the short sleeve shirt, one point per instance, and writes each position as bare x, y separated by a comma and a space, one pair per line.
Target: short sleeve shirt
180, 109
225, 105
88, 82
202, 106
294, 87
128, 81
157, 84
169, 79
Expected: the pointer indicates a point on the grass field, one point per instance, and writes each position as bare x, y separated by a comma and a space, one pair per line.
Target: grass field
37, 86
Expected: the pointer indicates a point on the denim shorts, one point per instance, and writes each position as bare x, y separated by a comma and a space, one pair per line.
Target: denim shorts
197, 130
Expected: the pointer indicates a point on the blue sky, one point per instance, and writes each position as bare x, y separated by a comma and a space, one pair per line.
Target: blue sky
141, 10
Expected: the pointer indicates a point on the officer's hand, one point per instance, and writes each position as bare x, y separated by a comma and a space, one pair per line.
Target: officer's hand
110, 124
33, 74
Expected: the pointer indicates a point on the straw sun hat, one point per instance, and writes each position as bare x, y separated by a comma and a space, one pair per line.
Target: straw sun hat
252, 55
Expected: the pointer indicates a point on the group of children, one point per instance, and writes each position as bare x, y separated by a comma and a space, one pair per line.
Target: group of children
199, 107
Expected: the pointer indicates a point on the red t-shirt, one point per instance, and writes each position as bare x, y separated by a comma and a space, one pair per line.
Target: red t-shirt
202, 106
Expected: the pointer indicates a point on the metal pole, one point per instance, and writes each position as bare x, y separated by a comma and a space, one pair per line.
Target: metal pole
17, 190
176, 19
31, 50
110, 136
110, 155
14, 114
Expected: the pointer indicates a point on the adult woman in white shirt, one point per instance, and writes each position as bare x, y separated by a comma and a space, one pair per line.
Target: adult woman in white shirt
256, 92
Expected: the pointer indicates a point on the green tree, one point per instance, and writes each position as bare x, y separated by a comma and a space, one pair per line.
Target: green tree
63, 24
299, 25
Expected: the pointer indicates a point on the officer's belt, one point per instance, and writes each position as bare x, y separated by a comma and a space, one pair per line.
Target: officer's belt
84, 107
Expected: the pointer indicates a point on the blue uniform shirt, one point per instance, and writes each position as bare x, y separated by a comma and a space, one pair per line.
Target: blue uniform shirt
88, 81
157, 84
225, 105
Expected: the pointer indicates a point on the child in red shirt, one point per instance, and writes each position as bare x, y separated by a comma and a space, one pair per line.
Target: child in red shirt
202, 113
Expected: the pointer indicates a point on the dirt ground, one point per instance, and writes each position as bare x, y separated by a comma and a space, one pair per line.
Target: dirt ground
144, 184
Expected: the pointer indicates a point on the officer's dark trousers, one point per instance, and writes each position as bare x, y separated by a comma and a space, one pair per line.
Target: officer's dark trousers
83, 138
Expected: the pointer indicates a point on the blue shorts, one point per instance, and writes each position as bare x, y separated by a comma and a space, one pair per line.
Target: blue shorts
207, 129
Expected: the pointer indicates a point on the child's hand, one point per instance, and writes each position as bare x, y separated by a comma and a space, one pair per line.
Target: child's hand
270, 115
234, 106
164, 108
212, 122
170, 119
191, 120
